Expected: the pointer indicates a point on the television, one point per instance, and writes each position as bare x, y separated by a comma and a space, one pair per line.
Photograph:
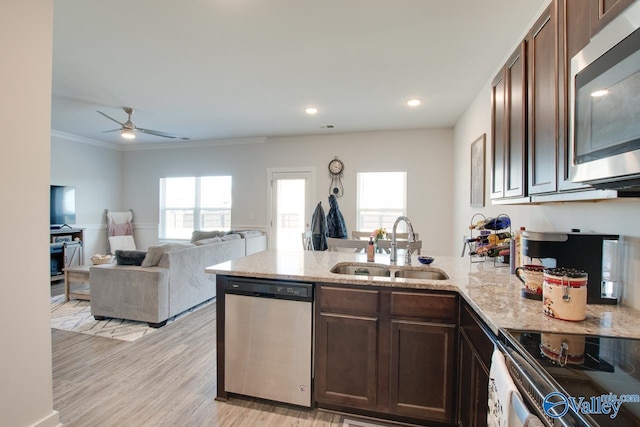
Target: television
62, 208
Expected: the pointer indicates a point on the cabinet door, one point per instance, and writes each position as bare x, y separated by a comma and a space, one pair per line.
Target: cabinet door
498, 136
574, 30
346, 355
466, 397
543, 104
422, 370
516, 123
604, 11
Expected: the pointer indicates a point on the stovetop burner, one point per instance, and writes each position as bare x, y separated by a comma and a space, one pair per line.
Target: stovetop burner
588, 367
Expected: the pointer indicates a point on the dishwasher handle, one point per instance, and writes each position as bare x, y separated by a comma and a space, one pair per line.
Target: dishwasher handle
294, 291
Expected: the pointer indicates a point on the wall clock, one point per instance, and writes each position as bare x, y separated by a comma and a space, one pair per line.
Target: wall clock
335, 171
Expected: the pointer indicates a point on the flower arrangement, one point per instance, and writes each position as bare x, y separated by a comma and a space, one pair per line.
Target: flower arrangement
379, 233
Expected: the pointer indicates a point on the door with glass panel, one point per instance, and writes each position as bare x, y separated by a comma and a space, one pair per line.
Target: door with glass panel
290, 208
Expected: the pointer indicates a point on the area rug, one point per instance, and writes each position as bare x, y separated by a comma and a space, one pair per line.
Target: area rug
75, 316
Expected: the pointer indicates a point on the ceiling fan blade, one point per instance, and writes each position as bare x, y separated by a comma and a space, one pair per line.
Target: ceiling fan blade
112, 130
110, 118
157, 133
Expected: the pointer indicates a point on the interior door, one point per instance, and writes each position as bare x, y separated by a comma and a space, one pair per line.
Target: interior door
291, 207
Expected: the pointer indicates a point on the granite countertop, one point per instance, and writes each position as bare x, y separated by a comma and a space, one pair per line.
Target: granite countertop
492, 292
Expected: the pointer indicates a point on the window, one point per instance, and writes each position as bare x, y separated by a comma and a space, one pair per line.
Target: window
381, 198
194, 203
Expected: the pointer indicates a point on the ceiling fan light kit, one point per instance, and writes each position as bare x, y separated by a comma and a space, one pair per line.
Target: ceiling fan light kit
128, 134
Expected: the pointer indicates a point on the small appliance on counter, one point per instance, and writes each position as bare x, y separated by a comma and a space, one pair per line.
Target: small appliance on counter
583, 251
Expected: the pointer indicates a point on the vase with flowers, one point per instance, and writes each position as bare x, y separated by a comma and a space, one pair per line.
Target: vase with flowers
377, 234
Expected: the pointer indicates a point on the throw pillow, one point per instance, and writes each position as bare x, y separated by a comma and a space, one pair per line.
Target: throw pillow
124, 257
199, 235
154, 253
208, 241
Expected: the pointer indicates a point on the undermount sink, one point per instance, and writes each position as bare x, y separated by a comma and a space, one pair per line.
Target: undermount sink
377, 270
430, 274
361, 270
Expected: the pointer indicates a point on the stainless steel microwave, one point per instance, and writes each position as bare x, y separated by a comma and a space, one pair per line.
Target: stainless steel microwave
605, 106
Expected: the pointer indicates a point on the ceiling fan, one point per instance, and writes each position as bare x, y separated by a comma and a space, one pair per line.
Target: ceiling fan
128, 129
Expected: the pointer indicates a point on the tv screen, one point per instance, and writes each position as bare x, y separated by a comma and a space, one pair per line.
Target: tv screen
63, 205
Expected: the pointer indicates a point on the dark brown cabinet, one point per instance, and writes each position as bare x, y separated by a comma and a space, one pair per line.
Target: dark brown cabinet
539, 170
604, 11
384, 352
346, 351
516, 142
498, 143
574, 20
509, 130
543, 104
475, 350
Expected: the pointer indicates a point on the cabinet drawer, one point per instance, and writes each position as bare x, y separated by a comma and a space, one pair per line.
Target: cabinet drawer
349, 300
425, 305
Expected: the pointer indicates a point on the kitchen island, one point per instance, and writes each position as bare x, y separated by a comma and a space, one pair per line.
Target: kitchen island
403, 349
491, 291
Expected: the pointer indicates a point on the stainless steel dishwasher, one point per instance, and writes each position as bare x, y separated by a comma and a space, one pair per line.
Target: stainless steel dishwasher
268, 334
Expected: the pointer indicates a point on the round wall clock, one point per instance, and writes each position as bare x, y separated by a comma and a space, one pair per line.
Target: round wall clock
336, 166
335, 170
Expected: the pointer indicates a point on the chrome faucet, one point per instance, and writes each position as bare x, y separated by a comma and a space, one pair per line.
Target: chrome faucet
394, 243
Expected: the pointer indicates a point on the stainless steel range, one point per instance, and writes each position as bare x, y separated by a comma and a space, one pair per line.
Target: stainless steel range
576, 380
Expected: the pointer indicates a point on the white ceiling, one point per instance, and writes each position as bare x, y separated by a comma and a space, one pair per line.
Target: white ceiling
219, 69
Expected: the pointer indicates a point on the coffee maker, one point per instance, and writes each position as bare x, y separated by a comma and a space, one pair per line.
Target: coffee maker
583, 251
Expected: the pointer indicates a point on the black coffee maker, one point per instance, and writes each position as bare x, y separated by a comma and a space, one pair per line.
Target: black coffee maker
583, 251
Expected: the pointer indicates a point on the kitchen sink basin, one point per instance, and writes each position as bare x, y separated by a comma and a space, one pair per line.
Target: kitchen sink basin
430, 274
405, 272
361, 270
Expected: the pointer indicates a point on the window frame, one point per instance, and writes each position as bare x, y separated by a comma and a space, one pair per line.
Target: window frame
195, 210
397, 211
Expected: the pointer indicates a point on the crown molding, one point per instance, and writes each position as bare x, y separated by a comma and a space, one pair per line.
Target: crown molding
158, 145
193, 144
82, 139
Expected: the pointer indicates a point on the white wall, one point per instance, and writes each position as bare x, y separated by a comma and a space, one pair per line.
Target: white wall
96, 173
615, 217
427, 156
25, 109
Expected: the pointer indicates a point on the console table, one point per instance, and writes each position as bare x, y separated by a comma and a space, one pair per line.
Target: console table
76, 275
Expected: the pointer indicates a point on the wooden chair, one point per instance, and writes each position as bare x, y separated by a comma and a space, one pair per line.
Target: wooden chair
364, 235
347, 245
385, 245
361, 235
307, 241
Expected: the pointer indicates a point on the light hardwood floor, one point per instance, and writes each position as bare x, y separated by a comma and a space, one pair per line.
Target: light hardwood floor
167, 378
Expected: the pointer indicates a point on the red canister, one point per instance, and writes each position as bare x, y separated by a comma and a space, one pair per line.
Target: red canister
564, 293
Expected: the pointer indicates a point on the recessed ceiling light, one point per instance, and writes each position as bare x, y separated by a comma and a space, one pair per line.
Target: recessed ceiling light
414, 102
599, 93
311, 110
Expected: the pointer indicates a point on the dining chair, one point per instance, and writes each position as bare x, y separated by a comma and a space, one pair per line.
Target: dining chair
307, 241
358, 235
347, 245
385, 245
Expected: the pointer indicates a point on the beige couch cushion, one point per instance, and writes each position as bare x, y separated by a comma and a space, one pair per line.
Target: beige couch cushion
154, 253
199, 235
208, 241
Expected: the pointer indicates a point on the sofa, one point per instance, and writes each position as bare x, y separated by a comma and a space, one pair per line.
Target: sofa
169, 280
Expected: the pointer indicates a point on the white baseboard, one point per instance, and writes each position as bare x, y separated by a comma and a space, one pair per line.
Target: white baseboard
51, 420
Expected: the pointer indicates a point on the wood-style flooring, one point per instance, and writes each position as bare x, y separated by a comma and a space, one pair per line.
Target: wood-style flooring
164, 379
